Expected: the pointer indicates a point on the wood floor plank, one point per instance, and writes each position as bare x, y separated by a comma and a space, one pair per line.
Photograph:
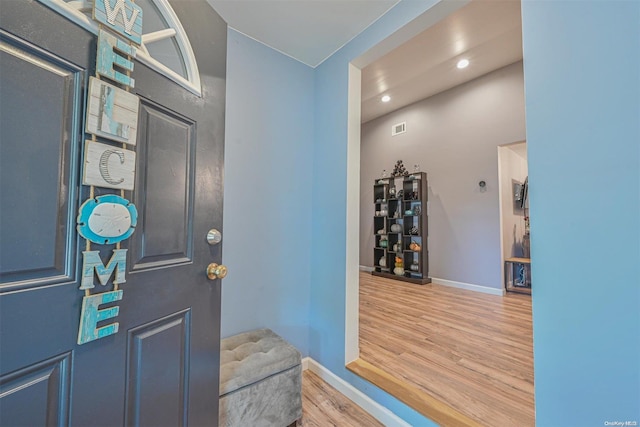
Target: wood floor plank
324, 406
472, 351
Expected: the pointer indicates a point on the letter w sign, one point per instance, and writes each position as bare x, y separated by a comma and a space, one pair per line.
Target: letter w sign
121, 16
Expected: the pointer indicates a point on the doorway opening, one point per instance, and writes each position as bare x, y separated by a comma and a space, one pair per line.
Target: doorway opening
451, 131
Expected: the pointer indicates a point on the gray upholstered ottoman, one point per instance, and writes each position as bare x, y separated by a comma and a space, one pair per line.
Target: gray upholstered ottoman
260, 381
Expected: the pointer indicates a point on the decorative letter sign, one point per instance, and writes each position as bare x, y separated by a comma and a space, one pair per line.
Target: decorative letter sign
122, 16
112, 113
91, 262
107, 219
110, 50
91, 316
108, 166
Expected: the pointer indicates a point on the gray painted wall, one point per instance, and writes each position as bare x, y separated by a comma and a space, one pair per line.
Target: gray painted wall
453, 137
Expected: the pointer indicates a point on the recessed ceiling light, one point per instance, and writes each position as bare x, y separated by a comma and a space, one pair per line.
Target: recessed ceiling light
463, 63
385, 98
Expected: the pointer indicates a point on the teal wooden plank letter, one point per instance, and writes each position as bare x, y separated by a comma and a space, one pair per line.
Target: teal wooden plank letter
90, 316
110, 54
91, 261
122, 16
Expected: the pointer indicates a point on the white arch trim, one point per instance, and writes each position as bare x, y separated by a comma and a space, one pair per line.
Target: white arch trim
74, 12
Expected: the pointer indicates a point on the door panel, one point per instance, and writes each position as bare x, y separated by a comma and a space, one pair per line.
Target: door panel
162, 367
39, 231
158, 380
166, 148
45, 385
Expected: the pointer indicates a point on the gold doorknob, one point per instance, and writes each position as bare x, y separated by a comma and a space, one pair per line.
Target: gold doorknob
216, 271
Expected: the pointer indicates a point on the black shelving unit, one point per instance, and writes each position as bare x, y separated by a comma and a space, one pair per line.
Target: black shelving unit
401, 228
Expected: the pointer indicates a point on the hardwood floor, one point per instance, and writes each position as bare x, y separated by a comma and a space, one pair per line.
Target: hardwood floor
324, 406
470, 350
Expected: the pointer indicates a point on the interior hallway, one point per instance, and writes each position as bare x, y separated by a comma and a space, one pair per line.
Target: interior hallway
472, 350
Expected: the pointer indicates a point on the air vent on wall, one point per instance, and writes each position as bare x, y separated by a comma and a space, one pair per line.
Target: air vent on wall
398, 128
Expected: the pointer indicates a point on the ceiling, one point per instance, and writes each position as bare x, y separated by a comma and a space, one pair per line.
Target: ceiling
486, 32
307, 30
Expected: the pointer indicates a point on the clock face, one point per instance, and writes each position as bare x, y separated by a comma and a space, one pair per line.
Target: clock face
107, 219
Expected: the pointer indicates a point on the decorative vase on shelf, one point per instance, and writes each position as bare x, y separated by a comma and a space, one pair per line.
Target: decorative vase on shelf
398, 271
384, 243
396, 228
414, 267
382, 262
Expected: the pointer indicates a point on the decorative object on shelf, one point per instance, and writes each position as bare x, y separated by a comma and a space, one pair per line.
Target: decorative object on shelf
399, 169
382, 262
396, 228
399, 267
414, 266
400, 194
408, 212
397, 214
397, 247
392, 192
381, 231
384, 243
415, 246
417, 210
383, 212
413, 230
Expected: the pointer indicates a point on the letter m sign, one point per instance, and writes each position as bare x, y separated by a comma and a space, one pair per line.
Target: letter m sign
91, 263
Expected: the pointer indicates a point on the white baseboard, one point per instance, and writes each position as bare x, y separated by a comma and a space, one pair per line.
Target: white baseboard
366, 268
379, 412
468, 286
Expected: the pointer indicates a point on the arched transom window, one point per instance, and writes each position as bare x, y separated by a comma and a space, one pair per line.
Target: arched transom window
165, 46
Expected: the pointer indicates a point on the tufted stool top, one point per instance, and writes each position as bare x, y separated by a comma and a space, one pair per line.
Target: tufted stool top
252, 356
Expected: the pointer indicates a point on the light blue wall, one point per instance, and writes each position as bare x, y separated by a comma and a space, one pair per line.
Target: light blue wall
582, 84
267, 198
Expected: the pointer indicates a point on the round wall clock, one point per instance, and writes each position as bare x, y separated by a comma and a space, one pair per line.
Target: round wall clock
107, 219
